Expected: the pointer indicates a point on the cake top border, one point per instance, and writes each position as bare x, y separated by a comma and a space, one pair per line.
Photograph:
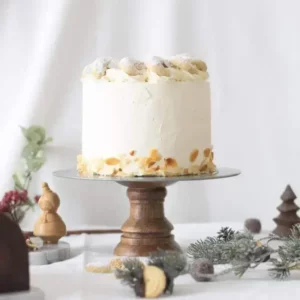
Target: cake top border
181, 67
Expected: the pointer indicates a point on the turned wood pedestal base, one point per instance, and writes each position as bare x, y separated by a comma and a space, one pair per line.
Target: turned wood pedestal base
147, 229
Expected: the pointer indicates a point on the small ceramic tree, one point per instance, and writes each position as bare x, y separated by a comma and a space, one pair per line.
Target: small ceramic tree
288, 213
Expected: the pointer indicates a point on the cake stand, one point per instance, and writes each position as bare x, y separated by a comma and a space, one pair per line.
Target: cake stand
147, 229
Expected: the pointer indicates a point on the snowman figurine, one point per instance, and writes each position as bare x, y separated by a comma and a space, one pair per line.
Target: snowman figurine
49, 227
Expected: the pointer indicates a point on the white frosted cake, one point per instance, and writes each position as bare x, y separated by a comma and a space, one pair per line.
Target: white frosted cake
146, 119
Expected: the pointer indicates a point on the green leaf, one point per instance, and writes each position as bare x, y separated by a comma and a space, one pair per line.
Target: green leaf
34, 134
19, 179
18, 184
31, 150
35, 164
40, 154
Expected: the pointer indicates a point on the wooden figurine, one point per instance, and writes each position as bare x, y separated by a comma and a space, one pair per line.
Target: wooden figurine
49, 227
14, 269
288, 213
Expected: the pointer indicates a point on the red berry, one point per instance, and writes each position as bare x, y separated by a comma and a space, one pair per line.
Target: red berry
3, 207
23, 196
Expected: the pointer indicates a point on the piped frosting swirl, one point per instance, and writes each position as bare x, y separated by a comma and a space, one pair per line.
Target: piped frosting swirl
180, 67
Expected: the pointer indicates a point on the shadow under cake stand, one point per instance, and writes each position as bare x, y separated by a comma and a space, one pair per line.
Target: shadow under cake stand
147, 229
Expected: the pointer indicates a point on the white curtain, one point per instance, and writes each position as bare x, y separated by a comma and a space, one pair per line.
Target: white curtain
252, 49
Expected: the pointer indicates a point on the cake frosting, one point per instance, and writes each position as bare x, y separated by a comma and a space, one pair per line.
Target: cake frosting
146, 118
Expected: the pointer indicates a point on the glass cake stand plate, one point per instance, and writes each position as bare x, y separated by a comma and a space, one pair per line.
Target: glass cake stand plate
147, 229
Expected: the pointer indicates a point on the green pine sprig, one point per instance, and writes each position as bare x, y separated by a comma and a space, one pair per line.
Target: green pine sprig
242, 252
226, 234
131, 273
171, 262
210, 248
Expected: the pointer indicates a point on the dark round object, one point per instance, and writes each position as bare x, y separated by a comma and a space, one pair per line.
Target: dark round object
200, 268
253, 225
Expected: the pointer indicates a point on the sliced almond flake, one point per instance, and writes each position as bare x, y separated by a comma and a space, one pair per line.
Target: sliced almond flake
203, 168
211, 166
204, 162
155, 155
194, 155
152, 163
170, 162
206, 152
112, 161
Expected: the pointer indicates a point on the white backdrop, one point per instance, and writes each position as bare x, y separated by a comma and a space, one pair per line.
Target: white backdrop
252, 49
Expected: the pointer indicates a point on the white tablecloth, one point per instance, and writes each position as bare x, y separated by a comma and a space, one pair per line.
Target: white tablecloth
68, 280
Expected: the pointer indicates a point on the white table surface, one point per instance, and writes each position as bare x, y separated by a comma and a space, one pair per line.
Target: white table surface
69, 281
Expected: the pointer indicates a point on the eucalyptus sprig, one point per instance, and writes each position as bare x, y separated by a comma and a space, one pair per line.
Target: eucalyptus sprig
17, 202
32, 156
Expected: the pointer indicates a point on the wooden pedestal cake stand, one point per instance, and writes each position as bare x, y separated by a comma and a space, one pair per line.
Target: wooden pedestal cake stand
147, 229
